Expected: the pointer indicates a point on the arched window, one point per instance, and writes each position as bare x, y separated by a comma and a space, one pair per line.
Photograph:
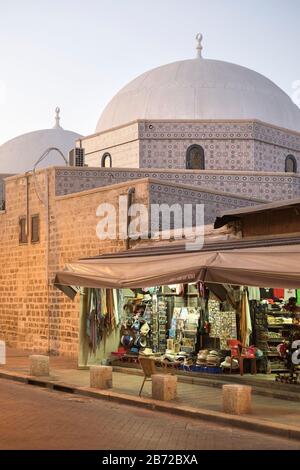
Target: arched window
290, 164
106, 156
195, 158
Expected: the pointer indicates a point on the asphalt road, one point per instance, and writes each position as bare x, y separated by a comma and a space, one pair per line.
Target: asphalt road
36, 418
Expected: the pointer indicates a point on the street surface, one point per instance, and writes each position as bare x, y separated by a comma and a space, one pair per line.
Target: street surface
36, 418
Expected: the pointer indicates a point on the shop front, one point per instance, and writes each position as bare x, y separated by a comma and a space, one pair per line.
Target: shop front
201, 312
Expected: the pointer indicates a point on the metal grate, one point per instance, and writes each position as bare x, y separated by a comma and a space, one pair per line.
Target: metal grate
35, 228
22, 230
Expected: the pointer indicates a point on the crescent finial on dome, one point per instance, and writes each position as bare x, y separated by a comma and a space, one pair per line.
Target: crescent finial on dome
57, 118
199, 46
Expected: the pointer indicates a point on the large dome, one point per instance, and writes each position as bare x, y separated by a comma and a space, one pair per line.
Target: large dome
20, 154
201, 89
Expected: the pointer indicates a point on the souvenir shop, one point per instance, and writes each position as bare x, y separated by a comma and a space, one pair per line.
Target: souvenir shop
201, 314
196, 327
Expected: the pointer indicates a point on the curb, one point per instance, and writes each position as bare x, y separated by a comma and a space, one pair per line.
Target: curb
242, 422
257, 389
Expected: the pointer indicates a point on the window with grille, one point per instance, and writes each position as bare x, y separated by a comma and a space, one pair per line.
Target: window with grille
35, 228
22, 230
195, 158
290, 164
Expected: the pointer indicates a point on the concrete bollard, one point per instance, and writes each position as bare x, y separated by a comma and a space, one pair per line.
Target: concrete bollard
237, 399
101, 377
2, 353
164, 387
39, 365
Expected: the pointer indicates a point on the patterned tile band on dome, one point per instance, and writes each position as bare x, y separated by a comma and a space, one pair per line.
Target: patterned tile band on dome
266, 187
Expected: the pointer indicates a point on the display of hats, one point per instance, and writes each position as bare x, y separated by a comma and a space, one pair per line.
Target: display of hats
227, 363
147, 297
126, 340
213, 358
146, 352
202, 356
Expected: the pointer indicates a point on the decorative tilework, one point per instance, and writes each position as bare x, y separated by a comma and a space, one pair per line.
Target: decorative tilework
266, 187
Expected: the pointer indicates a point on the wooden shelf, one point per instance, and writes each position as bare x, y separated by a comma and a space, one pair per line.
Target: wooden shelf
281, 326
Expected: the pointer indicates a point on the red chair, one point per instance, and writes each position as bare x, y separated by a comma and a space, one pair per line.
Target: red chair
240, 352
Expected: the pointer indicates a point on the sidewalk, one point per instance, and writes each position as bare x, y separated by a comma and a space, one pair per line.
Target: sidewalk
199, 397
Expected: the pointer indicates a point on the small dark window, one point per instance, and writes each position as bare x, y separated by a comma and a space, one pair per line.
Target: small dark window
195, 158
22, 230
106, 157
290, 164
35, 228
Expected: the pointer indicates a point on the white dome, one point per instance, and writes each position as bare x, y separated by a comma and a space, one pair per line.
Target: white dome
19, 155
201, 89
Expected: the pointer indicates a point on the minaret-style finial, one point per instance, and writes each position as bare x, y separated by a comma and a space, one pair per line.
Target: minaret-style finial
199, 47
57, 119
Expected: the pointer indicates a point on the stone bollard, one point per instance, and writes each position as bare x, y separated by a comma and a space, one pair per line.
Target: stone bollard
2, 353
164, 387
101, 377
39, 365
237, 399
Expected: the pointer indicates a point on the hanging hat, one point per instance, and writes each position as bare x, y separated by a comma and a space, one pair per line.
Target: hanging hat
145, 328
138, 297
140, 342
126, 340
147, 297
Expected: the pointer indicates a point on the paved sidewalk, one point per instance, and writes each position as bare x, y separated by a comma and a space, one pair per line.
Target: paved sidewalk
196, 396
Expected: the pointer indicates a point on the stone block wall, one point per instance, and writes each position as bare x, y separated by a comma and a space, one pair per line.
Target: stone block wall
33, 314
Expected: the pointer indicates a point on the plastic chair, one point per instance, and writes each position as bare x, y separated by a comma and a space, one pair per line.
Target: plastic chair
240, 352
149, 369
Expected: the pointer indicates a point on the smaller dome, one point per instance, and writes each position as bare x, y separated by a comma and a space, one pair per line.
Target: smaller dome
20, 154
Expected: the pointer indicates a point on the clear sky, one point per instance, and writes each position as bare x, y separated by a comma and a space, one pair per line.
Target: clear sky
77, 54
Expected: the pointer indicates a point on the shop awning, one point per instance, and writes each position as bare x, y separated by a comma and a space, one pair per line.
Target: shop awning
262, 266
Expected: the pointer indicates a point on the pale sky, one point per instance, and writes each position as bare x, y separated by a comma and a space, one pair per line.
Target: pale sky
77, 54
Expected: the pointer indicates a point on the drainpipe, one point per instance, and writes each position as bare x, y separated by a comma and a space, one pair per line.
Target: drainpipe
47, 242
130, 194
27, 205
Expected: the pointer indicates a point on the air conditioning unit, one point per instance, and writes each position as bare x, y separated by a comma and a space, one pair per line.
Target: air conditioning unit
76, 157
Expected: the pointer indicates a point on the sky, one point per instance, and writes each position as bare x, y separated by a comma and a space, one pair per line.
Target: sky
77, 54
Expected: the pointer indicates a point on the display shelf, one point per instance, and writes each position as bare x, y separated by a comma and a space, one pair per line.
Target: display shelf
280, 314
272, 354
281, 325
275, 340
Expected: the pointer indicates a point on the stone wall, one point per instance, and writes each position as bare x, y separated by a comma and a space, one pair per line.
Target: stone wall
33, 314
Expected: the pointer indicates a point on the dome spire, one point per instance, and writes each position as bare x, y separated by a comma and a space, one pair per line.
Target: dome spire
57, 118
199, 46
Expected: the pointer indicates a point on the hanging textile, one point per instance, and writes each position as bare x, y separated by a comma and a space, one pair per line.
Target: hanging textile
245, 320
223, 326
254, 293
116, 306
101, 317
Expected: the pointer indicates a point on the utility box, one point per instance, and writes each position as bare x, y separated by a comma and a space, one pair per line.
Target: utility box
2, 353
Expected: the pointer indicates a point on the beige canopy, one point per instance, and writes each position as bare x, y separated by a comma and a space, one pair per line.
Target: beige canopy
262, 266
